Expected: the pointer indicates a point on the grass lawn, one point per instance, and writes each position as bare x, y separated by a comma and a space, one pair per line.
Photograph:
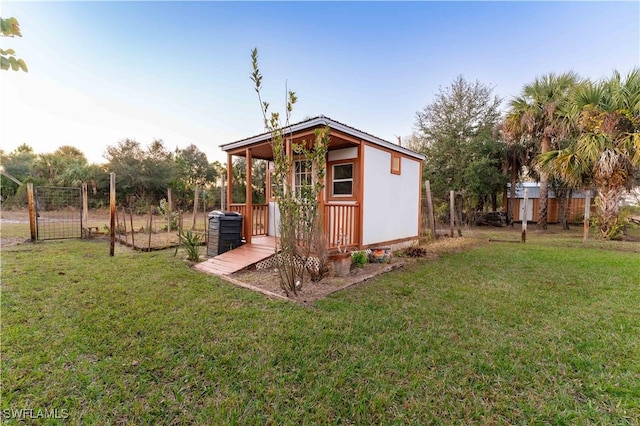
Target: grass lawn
503, 333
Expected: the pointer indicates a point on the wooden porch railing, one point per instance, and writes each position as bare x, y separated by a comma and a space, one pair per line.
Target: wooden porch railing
260, 217
341, 223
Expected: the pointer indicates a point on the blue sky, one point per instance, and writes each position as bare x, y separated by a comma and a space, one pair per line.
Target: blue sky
100, 72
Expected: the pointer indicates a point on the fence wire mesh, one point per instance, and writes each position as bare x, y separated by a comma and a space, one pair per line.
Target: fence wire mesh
58, 212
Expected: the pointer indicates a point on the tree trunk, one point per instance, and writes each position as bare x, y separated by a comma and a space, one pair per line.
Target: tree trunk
607, 209
543, 208
511, 203
561, 198
567, 210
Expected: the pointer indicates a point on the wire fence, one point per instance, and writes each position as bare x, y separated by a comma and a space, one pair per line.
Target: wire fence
58, 212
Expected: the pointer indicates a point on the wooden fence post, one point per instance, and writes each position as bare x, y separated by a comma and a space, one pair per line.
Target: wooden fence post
432, 221
195, 207
223, 193
32, 211
85, 208
204, 207
124, 224
524, 219
587, 214
112, 213
169, 208
133, 241
150, 225
452, 212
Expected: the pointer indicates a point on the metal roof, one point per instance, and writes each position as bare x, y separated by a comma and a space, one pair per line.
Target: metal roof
323, 121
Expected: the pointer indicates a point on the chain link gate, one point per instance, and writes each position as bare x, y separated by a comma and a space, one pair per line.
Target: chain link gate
58, 212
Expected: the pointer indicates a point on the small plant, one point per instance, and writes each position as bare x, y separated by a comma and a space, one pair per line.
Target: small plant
343, 242
190, 242
359, 258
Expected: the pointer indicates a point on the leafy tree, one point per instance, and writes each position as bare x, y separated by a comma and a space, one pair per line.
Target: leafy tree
518, 158
300, 225
538, 114
239, 180
141, 174
18, 164
483, 174
456, 133
192, 170
10, 27
193, 167
258, 180
606, 153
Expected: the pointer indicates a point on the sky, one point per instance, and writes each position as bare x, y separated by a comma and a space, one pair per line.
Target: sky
102, 71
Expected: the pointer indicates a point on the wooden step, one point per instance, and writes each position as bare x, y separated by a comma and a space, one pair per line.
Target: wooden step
239, 258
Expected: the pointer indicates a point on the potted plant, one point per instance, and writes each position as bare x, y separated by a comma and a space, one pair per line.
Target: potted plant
341, 260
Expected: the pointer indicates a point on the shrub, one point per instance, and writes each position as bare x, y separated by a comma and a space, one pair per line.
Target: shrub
190, 242
359, 258
415, 251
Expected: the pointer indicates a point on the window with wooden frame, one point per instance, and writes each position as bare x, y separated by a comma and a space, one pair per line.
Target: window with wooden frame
302, 175
396, 164
342, 180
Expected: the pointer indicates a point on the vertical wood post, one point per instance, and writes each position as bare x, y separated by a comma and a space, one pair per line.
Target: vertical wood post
117, 220
229, 182
124, 224
32, 211
85, 208
223, 193
452, 211
195, 206
150, 226
133, 242
587, 215
432, 221
112, 213
249, 201
204, 207
169, 210
524, 219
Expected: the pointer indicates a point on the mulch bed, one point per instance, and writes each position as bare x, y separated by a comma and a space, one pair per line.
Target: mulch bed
267, 281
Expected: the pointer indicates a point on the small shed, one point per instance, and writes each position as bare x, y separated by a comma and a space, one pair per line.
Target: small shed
372, 192
576, 203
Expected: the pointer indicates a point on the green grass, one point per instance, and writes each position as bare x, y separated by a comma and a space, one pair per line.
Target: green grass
501, 334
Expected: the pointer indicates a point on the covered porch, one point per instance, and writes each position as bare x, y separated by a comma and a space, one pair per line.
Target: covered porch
340, 202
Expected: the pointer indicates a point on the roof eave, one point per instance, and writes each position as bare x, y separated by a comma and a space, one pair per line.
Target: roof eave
323, 121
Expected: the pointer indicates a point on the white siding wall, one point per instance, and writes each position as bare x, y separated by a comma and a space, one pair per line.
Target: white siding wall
274, 219
342, 154
391, 202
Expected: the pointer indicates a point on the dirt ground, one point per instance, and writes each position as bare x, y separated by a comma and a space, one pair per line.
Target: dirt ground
98, 222
268, 280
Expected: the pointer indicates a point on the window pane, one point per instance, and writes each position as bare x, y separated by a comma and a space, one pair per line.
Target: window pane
343, 171
343, 188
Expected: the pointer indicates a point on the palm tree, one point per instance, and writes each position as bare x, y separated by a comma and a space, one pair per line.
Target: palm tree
606, 154
517, 155
536, 114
